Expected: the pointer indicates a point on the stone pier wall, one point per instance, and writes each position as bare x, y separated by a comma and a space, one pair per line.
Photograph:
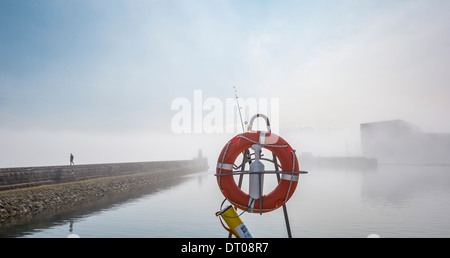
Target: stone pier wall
14, 178
32, 192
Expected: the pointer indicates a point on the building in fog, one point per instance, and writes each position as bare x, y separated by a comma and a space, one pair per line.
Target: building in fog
399, 142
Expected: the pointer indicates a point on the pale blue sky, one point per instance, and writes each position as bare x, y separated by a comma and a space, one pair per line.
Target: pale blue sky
101, 67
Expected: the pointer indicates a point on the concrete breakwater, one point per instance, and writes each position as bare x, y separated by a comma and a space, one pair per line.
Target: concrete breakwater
14, 178
34, 191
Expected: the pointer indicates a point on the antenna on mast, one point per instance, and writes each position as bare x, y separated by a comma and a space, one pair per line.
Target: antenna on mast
239, 108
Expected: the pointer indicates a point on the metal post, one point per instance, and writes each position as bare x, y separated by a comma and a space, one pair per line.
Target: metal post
241, 176
286, 218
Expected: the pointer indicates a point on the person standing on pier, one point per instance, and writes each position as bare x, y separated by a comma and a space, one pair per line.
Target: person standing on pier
71, 159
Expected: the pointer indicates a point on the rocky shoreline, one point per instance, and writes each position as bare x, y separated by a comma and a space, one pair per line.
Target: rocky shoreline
21, 204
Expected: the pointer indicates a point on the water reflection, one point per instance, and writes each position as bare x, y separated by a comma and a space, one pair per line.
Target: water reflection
398, 184
71, 225
27, 226
409, 201
390, 201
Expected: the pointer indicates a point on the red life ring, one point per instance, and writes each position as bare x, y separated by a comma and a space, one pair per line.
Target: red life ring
277, 197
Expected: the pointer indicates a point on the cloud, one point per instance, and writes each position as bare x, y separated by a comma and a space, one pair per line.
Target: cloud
391, 66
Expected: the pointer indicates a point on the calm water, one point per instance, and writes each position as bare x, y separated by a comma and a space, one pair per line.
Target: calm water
391, 201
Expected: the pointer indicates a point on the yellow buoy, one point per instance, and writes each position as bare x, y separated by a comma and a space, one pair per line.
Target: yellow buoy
234, 222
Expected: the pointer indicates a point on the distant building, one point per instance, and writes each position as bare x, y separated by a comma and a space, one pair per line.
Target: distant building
399, 142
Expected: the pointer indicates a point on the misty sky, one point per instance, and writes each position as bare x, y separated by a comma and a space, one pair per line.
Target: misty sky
97, 78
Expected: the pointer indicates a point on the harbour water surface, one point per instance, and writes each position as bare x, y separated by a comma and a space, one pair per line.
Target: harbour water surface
390, 201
